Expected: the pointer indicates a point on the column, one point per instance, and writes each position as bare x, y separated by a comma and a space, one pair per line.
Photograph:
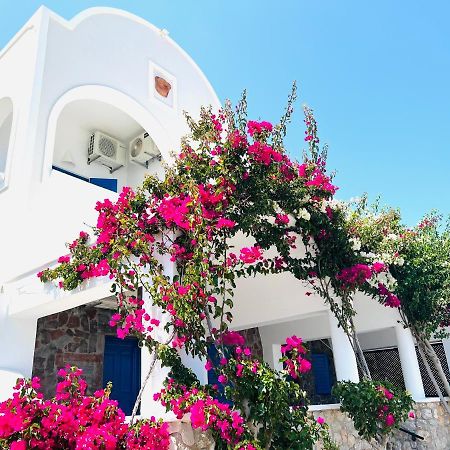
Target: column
345, 363
150, 407
17, 341
277, 355
446, 344
410, 365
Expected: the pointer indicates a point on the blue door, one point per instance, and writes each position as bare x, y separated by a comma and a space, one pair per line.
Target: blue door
213, 376
122, 366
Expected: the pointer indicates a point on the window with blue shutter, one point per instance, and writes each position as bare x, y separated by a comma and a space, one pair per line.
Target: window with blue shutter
321, 370
106, 183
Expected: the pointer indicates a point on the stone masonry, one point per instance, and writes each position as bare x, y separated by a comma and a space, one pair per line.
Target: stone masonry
75, 337
431, 422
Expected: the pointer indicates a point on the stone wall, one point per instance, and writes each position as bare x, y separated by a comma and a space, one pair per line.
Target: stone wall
431, 422
75, 337
253, 341
183, 437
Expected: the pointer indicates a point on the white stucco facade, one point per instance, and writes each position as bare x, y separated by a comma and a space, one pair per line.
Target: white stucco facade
60, 81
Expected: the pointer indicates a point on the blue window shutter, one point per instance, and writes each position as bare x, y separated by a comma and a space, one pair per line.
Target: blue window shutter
106, 183
321, 371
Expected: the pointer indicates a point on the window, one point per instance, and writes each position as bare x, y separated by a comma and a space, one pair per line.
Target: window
322, 375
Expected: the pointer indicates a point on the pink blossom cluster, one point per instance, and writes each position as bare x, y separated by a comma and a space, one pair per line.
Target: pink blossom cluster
205, 411
237, 139
258, 127
293, 359
72, 420
264, 153
232, 338
388, 297
355, 275
249, 255
321, 181
383, 412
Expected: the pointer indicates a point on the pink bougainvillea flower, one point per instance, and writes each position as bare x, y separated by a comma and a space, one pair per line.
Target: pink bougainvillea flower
282, 219
232, 338
64, 259
390, 420
18, 445
249, 255
225, 223
258, 127
378, 267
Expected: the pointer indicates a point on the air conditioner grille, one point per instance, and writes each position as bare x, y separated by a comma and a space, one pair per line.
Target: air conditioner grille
136, 148
107, 147
91, 145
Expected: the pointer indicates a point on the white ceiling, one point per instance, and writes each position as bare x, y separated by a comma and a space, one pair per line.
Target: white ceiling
93, 115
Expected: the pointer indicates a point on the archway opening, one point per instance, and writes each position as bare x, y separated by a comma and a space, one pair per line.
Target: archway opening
101, 144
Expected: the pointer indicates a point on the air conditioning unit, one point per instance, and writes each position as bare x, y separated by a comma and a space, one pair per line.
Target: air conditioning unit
143, 150
106, 150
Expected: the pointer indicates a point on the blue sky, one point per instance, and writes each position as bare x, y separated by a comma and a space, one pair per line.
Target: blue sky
376, 74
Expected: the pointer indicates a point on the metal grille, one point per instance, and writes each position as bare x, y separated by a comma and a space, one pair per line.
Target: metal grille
91, 144
384, 365
107, 147
430, 391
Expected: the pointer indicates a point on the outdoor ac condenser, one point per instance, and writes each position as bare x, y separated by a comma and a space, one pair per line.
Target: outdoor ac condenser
106, 150
143, 149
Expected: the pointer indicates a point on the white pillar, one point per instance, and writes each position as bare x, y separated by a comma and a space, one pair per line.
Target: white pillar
446, 344
277, 355
17, 341
345, 363
410, 365
150, 407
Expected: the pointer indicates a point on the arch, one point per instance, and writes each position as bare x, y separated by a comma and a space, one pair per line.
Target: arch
86, 14
162, 136
6, 124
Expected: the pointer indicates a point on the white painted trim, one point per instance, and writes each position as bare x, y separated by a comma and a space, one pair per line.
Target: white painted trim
15, 39
43, 299
292, 318
330, 406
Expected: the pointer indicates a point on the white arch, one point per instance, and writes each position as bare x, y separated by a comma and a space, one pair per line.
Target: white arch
162, 136
86, 14
7, 118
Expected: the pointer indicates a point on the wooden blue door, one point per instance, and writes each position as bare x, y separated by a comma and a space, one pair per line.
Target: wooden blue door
122, 366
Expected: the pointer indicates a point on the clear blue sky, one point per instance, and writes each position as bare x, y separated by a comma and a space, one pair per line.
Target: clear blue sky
376, 73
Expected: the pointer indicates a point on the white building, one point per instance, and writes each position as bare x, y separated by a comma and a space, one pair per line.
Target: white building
109, 71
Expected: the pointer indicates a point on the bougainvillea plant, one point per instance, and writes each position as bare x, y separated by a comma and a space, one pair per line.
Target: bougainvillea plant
418, 262
232, 179
72, 420
375, 408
